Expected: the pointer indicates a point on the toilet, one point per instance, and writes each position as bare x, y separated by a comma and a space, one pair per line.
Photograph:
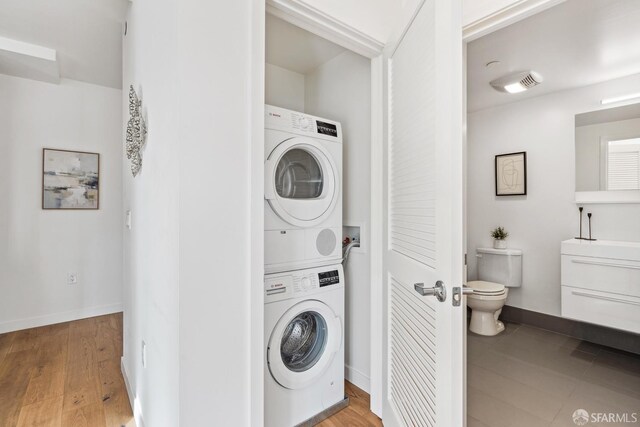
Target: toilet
498, 270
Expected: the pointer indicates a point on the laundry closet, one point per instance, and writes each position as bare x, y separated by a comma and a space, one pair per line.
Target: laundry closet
308, 74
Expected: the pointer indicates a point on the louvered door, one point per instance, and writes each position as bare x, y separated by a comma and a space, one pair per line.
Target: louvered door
423, 354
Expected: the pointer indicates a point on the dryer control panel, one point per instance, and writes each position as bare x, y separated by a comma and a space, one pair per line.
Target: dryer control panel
293, 284
301, 123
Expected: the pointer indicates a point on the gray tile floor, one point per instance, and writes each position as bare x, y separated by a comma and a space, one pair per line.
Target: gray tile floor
529, 377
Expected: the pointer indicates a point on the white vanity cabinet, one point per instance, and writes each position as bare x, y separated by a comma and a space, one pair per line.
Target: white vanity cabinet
601, 283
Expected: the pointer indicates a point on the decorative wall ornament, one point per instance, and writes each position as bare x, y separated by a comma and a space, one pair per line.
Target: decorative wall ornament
136, 132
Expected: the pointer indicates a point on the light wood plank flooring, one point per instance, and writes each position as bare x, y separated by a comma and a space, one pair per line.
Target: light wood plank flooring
357, 414
64, 375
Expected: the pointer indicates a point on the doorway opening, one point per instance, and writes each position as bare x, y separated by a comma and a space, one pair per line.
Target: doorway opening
319, 157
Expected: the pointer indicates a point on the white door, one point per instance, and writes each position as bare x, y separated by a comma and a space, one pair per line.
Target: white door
423, 343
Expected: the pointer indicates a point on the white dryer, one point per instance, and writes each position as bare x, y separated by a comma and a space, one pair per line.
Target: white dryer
303, 190
303, 336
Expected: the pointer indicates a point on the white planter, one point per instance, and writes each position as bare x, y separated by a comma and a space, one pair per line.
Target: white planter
499, 244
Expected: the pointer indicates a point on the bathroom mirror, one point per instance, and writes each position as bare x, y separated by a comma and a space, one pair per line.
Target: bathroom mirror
608, 155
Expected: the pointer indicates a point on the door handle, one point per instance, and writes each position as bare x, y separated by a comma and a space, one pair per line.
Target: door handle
458, 292
438, 290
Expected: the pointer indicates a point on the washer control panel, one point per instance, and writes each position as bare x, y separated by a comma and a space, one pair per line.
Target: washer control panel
303, 124
279, 286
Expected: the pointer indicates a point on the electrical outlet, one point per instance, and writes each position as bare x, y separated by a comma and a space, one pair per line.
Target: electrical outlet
144, 354
72, 278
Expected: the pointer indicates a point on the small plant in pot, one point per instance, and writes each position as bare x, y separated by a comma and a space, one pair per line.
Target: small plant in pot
499, 235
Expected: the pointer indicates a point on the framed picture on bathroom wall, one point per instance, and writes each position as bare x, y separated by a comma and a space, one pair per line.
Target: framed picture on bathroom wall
70, 179
511, 174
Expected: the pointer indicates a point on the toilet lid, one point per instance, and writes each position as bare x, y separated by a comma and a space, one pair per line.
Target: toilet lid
486, 288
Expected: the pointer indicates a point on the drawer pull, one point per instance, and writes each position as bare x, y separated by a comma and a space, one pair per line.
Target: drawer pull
606, 264
602, 297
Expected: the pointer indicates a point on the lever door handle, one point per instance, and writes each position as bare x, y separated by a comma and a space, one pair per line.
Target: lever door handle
438, 290
458, 292
466, 290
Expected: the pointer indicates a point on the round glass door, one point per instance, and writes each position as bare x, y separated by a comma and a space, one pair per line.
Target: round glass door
303, 341
302, 182
299, 175
303, 344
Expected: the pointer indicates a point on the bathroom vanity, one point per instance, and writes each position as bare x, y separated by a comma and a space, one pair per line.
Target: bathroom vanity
601, 283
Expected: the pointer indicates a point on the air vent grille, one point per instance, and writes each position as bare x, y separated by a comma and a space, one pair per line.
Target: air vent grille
517, 82
529, 81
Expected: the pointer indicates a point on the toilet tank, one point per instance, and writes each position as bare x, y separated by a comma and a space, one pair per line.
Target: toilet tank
502, 266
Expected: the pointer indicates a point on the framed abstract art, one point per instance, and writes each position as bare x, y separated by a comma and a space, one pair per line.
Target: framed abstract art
511, 174
70, 179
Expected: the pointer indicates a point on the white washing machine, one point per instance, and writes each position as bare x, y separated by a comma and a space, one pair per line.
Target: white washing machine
304, 339
303, 190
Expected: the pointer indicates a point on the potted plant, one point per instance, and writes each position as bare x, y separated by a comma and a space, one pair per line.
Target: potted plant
499, 235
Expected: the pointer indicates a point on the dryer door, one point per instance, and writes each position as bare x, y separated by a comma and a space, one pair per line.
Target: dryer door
303, 344
301, 182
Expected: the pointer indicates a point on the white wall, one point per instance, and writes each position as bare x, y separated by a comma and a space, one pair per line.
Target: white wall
538, 222
151, 246
376, 18
473, 10
340, 89
379, 18
193, 294
284, 88
221, 198
40, 247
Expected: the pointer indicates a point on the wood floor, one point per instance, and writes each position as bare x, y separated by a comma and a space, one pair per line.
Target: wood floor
64, 375
68, 375
357, 414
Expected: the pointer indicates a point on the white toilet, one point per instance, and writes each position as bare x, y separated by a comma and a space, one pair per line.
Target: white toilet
498, 270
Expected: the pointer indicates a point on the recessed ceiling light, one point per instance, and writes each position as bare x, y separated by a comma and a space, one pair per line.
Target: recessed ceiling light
517, 82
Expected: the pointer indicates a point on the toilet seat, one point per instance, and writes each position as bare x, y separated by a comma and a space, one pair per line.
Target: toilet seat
483, 288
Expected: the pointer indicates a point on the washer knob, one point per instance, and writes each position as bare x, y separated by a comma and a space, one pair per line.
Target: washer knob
306, 283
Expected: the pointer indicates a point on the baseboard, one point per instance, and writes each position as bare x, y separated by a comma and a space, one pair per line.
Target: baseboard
137, 414
51, 319
123, 369
357, 378
596, 334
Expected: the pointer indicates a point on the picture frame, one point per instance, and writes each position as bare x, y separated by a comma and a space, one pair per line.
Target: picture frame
70, 180
511, 174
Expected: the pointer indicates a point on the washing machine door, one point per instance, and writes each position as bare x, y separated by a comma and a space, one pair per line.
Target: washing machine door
301, 182
303, 344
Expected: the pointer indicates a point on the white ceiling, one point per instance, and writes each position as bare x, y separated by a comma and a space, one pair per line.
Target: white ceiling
87, 35
577, 43
296, 49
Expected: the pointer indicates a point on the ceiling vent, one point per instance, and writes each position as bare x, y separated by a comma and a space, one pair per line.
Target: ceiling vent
517, 82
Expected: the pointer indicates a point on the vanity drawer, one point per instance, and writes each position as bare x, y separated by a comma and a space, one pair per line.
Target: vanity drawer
601, 308
601, 274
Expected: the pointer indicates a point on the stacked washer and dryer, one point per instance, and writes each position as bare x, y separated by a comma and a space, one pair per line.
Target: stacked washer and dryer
304, 279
